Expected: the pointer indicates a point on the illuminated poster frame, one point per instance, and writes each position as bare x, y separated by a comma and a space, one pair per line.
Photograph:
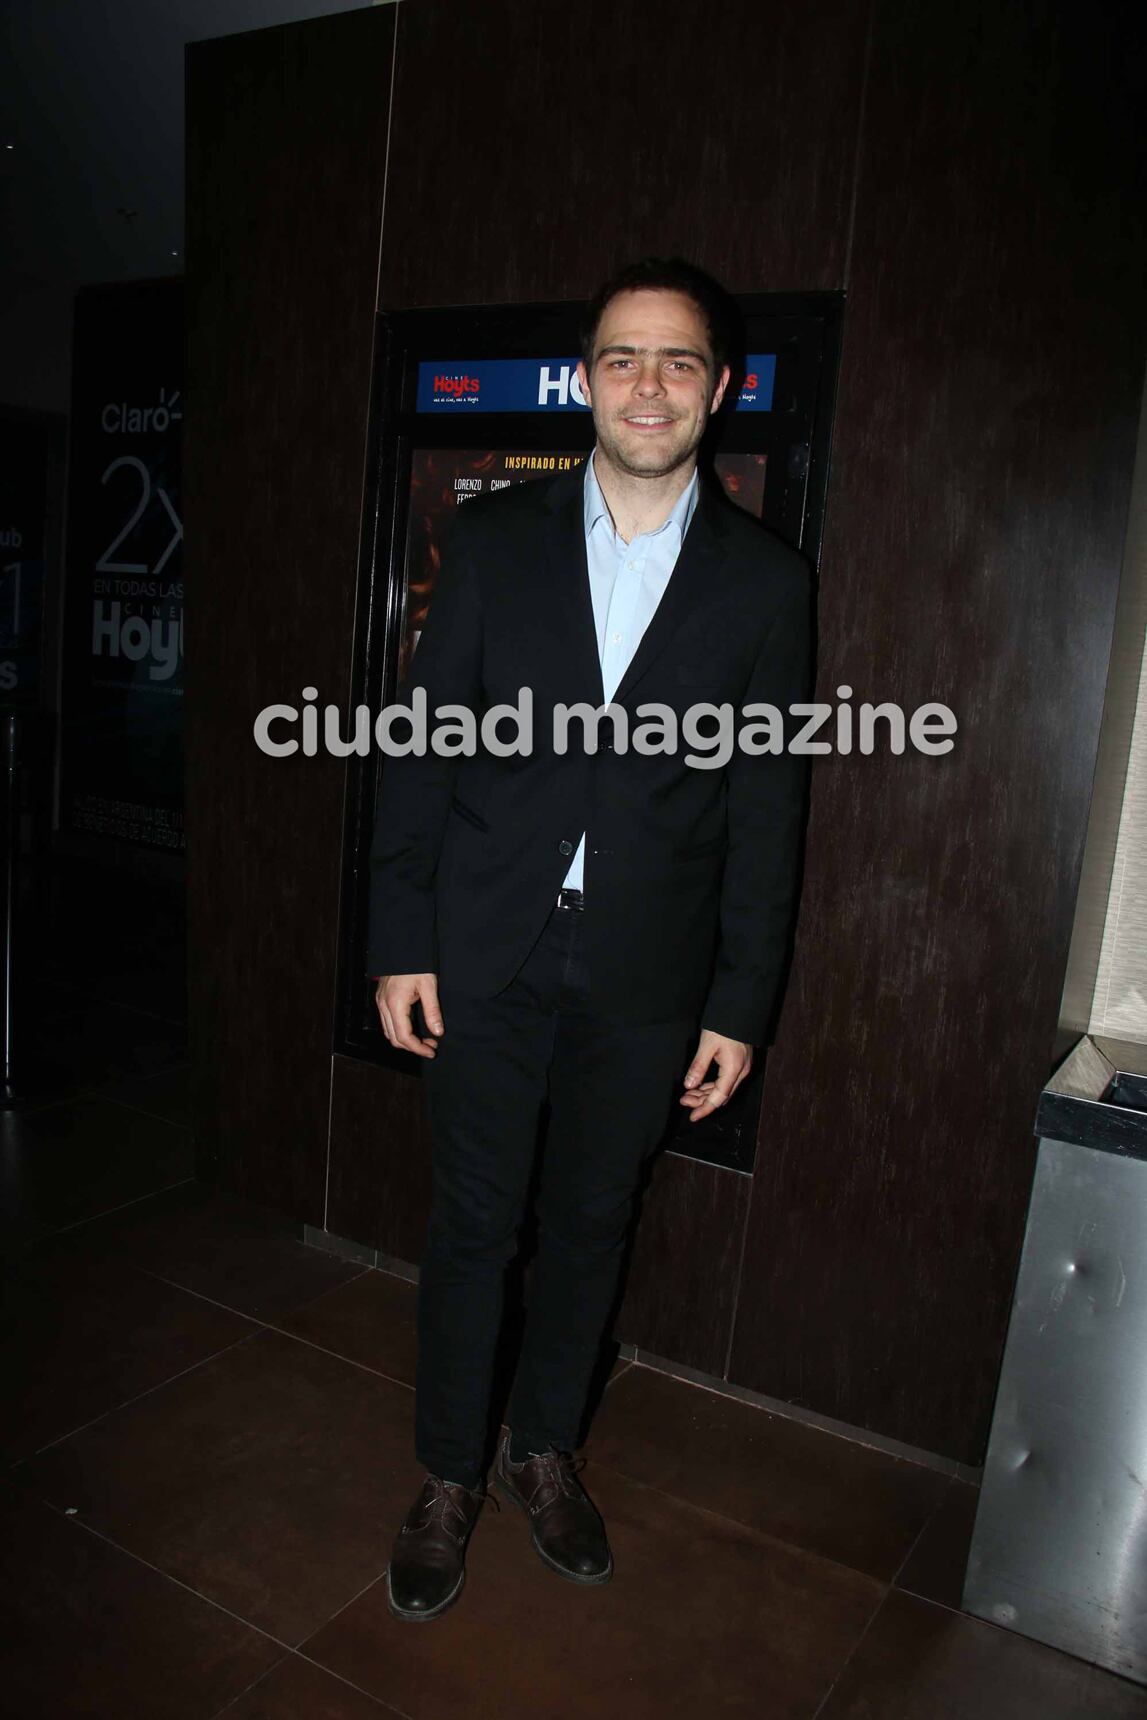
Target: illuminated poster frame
466, 400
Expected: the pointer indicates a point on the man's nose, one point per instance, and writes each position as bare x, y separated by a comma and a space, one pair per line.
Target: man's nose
649, 378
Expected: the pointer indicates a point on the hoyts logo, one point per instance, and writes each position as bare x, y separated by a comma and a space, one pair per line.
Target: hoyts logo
456, 385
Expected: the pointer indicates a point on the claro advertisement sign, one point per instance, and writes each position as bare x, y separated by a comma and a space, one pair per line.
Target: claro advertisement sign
122, 693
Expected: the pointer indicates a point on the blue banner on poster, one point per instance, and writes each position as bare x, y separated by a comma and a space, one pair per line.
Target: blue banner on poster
547, 385
760, 376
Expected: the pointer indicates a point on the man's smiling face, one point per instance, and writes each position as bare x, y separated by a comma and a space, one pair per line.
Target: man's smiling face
652, 386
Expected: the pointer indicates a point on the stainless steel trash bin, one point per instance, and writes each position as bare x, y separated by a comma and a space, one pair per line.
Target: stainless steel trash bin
1059, 1549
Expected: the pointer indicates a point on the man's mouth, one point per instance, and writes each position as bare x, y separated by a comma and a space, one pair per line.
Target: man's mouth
648, 420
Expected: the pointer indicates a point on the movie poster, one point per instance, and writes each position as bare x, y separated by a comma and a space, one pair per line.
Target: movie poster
743, 480
121, 754
442, 478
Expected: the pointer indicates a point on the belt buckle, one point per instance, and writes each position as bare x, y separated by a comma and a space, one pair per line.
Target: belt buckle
571, 900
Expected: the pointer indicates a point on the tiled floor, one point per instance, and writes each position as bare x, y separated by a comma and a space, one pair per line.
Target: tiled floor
207, 1441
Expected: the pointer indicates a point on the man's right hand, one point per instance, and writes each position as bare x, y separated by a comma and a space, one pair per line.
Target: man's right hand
395, 996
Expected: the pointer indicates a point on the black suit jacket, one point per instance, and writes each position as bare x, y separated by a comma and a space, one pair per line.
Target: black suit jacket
690, 874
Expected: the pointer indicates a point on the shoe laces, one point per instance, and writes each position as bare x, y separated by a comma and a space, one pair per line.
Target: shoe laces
438, 1502
559, 1469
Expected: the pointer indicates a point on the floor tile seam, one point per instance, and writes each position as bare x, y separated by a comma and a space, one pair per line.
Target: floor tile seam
851, 1655
352, 1600
387, 1707
127, 1403
384, 1707
114, 1003
19, 1111
240, 1695
919, 1536
77, 1522
289, 1650
199, 1295
331, 1289
271, 1326
174, 1068
714, 1387
323, 1666
126, 1105
1000, 1629
1005, 1630
109, 1212
337, 1355
738, 1523
1008, 1631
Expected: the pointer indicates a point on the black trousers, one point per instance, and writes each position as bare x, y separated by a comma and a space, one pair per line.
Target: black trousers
611, 1086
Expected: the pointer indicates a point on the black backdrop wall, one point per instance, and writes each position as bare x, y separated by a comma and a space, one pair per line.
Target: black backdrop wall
969, 179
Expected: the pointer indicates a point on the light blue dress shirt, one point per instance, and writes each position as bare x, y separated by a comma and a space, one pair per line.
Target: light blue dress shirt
626, 582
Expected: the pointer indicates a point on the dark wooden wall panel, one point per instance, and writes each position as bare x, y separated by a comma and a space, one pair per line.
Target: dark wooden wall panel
680, 1288
535, 147
380, 1180
983, 450
286, 150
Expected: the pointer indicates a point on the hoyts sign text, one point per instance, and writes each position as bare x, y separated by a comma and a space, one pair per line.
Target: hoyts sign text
457, 385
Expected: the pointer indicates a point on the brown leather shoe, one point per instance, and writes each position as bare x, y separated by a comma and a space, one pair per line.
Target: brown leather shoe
567, 1530
427, 1565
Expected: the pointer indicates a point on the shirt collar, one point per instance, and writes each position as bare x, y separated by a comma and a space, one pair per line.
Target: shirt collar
597, 509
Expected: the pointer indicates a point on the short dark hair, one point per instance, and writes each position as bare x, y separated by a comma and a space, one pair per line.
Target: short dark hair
668, 275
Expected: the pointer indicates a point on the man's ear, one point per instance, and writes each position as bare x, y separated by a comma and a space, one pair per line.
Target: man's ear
583, 381
719, 391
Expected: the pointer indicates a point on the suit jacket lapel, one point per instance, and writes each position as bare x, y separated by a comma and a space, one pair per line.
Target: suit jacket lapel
689, 586
569, 580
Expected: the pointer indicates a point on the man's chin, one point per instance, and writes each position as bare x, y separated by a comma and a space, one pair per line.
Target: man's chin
647, 460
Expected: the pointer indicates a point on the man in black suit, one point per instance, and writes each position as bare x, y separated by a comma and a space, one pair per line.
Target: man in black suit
573, 922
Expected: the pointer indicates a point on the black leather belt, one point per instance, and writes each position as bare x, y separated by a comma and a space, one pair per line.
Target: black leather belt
571, 900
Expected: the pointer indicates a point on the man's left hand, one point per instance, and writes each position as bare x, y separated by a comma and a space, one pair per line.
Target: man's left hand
733, 1058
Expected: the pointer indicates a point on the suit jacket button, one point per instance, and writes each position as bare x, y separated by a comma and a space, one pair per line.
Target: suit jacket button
565, 847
